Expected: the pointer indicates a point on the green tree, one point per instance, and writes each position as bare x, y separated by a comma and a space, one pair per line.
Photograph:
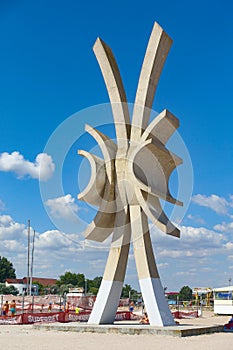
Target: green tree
6, 269
93, 285
96, 282
8, 290
75, 279
54, 289
126, 291
129, 292
93, 290
186, 293
64, 288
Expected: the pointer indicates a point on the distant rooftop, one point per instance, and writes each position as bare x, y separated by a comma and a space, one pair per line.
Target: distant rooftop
44, 281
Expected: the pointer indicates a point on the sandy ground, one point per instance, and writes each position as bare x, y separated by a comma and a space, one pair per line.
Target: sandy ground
25, 337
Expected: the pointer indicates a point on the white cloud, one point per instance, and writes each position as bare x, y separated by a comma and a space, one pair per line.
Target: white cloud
2, 205
218, 204
14, 246
62, 207
231, 200
42, 168
195, 239
52, 240
10, 229
224, 227
5, 220
171, 253
196, 219
201, 236
229, 246
186, 273
198, 247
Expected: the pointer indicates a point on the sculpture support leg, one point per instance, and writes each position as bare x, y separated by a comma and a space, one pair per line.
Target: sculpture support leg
152, 291
107, 301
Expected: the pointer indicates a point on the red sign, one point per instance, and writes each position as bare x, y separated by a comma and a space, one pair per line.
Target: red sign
11, 320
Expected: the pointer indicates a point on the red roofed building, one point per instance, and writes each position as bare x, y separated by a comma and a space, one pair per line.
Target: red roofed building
21, 283
45, 282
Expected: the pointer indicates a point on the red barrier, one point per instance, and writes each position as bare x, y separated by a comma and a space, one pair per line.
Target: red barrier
11, 319
51, 317
184, 314
123, 315
82, 316
41, 318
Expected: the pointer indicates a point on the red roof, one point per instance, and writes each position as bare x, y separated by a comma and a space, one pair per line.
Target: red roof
14, 280
44, 281
172, 293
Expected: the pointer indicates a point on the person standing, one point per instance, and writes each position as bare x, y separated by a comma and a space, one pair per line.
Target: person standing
131, 306
5, 308
50, 307
13, 307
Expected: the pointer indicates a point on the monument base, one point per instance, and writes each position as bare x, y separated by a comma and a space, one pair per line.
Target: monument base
131, 329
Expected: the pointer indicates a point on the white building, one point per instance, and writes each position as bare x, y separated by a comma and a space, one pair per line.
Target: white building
21, 284
76, 292
223, 300
18, 283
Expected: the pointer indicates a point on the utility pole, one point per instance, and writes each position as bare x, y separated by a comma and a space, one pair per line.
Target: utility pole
33, 243
28, 262
85, 286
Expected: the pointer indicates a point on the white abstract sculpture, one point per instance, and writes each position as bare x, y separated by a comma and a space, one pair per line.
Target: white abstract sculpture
127, 184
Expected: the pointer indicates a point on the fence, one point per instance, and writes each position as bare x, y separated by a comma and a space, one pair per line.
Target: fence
48, 303
54, 308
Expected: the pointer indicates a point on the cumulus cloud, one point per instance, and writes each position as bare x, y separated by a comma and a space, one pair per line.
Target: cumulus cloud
62, 207
201, 236
196, 244
12, 246
9, 229
224, 227
52, 240
218, 204
192, 238
52, 248
42, 168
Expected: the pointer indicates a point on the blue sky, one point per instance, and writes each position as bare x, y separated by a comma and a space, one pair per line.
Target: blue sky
48, 72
